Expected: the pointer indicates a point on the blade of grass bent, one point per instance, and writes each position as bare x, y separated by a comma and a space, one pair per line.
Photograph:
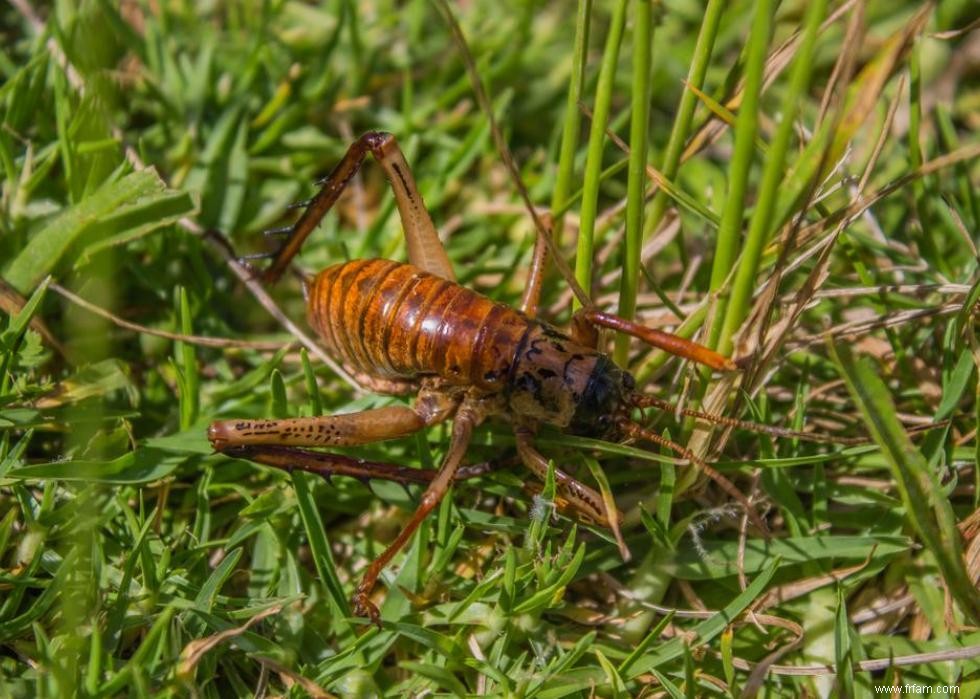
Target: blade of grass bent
706, 630
49, 245
926, 506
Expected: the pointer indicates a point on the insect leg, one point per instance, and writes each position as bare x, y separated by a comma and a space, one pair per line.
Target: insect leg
329, 430
532, 291
462, 431
424, 248
328, 465
584, 500
670, 343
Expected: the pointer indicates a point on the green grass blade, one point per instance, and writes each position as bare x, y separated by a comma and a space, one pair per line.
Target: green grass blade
761, 226
926, 504
685, 113
320, 546
186, 359
746, 127
572, 119
48, 247
636, 179
597, 138
312, 388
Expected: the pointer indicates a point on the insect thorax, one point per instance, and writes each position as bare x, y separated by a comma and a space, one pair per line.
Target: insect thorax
561, 383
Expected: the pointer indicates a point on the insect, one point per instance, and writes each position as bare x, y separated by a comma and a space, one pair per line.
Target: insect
403, 328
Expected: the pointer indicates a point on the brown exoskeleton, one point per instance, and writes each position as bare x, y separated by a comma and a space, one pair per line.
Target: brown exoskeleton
412, 328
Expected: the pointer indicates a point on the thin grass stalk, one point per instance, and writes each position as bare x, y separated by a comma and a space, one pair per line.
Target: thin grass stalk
572, 121
926, 504
636, 177
685, 114
761, 226
746, 127
927, 238
593, 160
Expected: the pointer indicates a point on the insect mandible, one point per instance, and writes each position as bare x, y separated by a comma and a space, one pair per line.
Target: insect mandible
406, 328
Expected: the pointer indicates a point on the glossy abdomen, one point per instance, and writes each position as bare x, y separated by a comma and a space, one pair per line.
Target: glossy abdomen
389, 319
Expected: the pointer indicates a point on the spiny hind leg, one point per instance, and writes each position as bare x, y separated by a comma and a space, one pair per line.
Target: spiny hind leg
328, 465
425, 250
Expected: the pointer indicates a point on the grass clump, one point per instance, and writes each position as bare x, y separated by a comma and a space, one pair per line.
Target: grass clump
793, 183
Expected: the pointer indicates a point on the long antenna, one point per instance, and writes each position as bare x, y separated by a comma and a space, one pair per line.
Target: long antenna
642, 400
543, 230
631, 429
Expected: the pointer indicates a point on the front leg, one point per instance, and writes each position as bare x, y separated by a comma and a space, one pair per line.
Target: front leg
586, 320
586, 502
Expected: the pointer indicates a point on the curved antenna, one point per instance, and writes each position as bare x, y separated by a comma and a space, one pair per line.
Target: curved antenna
642, 400
543, 230
631, 429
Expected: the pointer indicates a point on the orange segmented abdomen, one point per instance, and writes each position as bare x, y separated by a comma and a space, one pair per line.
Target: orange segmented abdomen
390, 320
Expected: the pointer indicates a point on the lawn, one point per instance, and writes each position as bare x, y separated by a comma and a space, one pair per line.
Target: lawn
794, 184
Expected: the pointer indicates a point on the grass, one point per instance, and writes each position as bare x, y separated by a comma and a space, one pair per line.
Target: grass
803, 194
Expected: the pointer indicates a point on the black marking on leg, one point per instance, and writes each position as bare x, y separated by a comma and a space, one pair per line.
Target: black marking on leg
405, 187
